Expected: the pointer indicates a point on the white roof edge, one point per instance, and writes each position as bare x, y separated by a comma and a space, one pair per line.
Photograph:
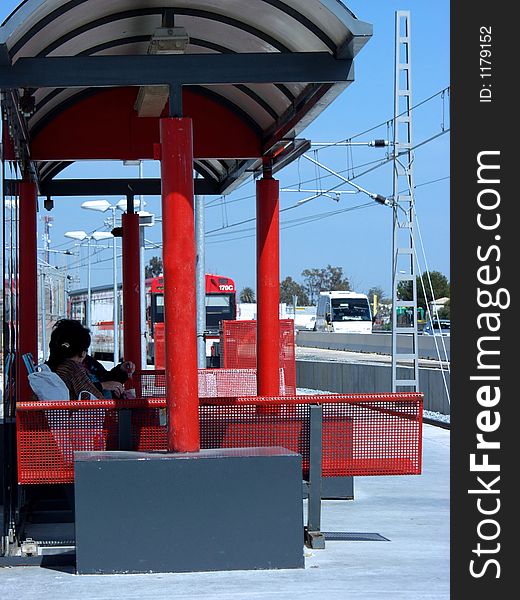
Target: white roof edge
347, 17
17, 17
336, 7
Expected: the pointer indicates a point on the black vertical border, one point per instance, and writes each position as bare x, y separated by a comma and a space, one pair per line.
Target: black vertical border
476, 127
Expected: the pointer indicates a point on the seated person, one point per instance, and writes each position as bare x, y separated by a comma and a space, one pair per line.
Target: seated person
68, 358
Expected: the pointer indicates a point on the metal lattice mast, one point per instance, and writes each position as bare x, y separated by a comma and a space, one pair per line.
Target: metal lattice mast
404, 321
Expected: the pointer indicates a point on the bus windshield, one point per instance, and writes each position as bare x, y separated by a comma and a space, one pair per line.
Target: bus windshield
219, 307
350, 309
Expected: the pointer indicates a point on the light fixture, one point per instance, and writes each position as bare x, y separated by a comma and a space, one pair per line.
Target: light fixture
76, 235
27, 103
169, 40
122, 204
100, 205
101, 235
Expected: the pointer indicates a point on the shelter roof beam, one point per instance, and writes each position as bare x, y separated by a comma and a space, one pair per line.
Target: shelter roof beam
175, 70
117, 187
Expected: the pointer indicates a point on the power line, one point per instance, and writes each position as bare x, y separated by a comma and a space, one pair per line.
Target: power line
383, 162
292, 223
440, 93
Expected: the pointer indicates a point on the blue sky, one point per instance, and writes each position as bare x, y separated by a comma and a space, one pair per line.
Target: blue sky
358, 240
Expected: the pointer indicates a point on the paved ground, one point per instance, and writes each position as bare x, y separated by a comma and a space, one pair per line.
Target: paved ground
412, 512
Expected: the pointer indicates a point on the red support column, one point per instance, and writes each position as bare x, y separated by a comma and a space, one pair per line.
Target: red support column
131, 289
268, 287
27, 282
178, 228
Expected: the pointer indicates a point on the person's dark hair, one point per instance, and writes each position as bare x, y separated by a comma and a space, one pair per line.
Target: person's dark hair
68, 338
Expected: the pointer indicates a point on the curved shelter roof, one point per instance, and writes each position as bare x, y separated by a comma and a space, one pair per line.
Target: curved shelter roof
252, 75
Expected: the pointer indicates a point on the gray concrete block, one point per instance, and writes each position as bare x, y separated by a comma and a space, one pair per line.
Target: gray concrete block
207, 511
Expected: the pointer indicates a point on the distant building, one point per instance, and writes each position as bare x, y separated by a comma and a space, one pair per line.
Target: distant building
303, 319
436, 305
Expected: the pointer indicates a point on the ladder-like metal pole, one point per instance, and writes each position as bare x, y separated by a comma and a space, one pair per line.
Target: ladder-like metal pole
404, 323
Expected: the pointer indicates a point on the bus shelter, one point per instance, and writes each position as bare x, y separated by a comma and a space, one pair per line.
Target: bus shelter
220, 89
206, 87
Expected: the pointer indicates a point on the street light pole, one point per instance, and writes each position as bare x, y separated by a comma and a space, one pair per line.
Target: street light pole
144, 329
103, 206
200, 288
142, 279
116, 303
43, 311
81, 236
89, 291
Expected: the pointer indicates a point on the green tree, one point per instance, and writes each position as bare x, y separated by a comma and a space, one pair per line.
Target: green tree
439, 282
154, 268
290, 288
334, 279
247, 295
323, 279
375, 291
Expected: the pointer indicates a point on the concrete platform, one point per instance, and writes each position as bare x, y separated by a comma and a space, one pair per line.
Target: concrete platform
412, 512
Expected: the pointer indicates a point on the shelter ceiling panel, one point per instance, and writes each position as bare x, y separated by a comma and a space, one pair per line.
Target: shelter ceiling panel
214, 168
49, 100
82, 41
104, 125
266, 25
272, 95
248, 105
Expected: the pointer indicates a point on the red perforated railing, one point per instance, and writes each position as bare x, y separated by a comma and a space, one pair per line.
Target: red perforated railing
213, 383
48, 434
238, 350
362, 434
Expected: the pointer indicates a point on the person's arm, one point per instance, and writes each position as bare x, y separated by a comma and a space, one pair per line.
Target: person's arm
117, 373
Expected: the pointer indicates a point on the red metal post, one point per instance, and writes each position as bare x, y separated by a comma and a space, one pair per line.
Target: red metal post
131, 289
178, 229
27, 282
268, 286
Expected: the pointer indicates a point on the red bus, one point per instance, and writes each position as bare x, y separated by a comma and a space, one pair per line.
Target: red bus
220, 305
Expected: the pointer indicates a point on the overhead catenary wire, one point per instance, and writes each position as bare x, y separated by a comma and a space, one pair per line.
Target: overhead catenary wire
289, 224
383, 123
225, 232
384, 161
388, 123
377, 164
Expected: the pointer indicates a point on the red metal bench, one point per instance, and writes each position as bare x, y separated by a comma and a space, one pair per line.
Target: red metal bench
362, 434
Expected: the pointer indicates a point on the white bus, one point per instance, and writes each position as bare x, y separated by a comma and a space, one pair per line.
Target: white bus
343, 312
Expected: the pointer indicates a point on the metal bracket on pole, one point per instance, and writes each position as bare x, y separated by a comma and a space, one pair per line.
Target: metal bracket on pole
313, 536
